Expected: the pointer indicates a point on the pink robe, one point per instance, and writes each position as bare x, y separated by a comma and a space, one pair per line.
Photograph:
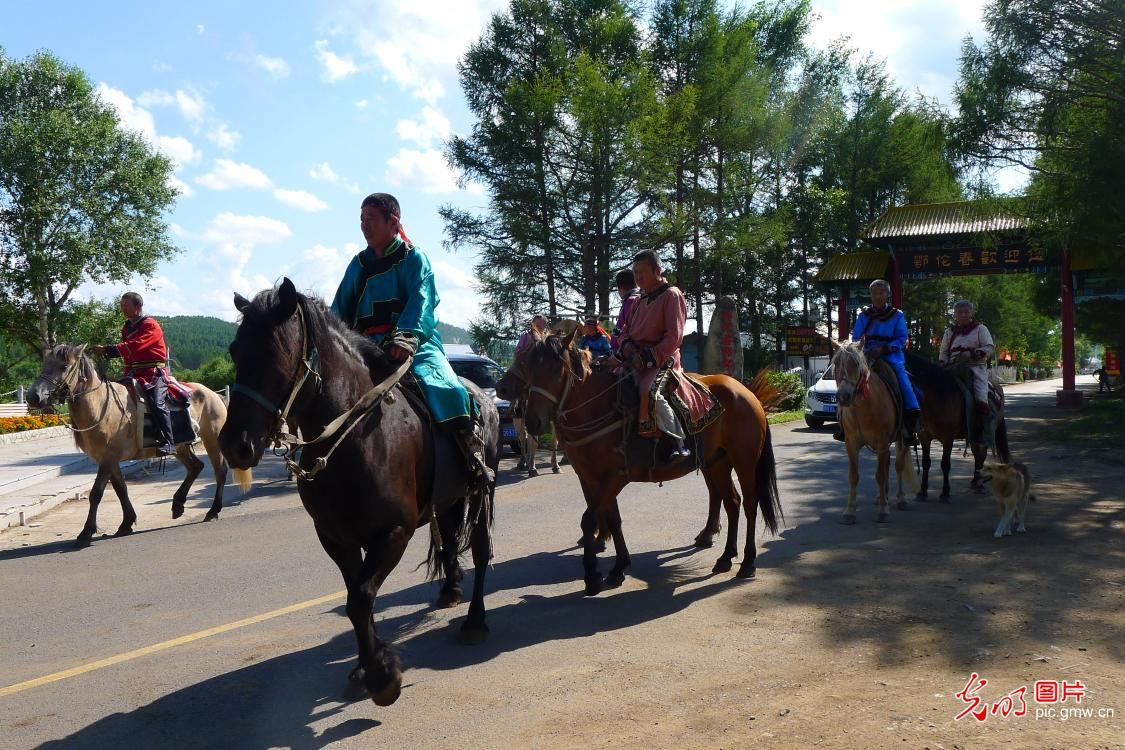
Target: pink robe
656, 330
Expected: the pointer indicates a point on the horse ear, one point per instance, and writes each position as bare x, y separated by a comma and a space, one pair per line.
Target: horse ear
240, 303
77, 352
286, 301
575, 338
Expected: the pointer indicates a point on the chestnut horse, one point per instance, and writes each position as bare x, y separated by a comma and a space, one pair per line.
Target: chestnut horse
867, 413
582, 403
367, 499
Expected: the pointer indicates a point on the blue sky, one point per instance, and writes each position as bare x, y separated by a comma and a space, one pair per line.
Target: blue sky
281, 116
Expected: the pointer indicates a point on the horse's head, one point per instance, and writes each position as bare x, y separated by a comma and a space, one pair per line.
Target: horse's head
550, 367
512, 384
267, 352
851, 370
65, 369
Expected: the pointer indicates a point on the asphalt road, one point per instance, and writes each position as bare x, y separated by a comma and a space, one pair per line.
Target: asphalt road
280, 679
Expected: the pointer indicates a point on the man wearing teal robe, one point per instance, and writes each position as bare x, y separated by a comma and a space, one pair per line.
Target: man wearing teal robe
388, 295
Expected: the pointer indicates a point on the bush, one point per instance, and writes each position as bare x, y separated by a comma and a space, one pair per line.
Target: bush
31, 422
792, 388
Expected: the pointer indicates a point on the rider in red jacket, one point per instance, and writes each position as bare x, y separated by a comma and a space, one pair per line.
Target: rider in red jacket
145, 353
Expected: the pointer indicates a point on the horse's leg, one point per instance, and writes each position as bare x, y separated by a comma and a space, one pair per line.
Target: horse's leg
882, 476
747, 475
980, 452
924, 492
474, 630
219, 467
853, 480
517, 423
716, 497
378, 667
449, 525
193, 466
946, 452
902, 455
590, 526
128, 515
722, 492
532, 449
612, 518
555, 457
84, 536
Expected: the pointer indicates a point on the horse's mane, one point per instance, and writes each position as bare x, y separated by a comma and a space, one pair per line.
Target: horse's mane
324, 324
88, 366
930, 376
854, 351
557, 346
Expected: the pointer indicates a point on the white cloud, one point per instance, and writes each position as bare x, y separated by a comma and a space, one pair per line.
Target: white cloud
191, 104
227, 175
161, 67
423, 170
186, 190
321, 268
138, 119
234, 230
275, 66
361, 104
300, 199
336, 68
178, 149
428, 38
200, 28
230, 241
325, 173
430, 126
223, 137
460, 300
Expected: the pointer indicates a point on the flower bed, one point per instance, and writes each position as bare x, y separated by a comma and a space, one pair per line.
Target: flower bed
31, 422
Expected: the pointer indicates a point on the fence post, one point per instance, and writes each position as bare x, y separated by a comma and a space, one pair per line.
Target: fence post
19, 394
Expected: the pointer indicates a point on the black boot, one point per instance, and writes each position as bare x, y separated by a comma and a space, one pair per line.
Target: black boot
910, 426
471, 442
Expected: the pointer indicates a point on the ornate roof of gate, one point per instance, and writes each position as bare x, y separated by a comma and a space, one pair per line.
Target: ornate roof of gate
942, 219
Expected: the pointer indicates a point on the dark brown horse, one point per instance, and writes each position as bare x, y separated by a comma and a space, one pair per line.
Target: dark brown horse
944, 419
582, 403
367, 497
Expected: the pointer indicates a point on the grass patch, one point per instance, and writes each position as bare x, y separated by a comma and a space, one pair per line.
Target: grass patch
782, 417
1101, 419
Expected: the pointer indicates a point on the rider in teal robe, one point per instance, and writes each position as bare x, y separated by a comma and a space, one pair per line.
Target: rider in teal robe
391, 299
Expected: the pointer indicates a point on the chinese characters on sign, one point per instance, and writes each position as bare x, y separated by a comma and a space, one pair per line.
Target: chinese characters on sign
919, 264
801, 341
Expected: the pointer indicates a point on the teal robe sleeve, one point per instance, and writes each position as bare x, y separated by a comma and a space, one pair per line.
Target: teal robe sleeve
418, 318
347, 295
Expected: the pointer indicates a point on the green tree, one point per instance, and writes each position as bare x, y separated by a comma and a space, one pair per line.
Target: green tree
81, 199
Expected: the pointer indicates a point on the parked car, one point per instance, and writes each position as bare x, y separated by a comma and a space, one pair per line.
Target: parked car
486, 373
820, 400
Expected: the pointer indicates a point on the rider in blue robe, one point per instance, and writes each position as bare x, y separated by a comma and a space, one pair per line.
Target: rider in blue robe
390, 297
882, 329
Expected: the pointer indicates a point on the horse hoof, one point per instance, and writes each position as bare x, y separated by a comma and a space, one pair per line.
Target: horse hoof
388, 695
848, 519
599, 546
211, 516
922, 497
473, 635
723, 565
356, 675
533, 472
613, 580
177, 510
449, 598
884, 517
521, 465
945, 499
556, 470
82, 542
902, 505
123, 530
594, 586
746, 572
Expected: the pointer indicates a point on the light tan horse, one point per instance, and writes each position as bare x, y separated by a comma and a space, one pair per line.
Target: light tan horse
102, 416
867, 413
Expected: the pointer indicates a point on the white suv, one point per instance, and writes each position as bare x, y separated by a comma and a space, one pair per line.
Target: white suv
820, 400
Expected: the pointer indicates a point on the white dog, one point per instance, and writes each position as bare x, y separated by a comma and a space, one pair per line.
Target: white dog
1011, 484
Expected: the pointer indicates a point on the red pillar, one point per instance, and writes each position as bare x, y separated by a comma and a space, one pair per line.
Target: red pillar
843, 322
1068, 396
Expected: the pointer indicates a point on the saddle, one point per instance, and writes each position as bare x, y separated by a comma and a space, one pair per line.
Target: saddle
647, 452
880, 367
964, 377
184, 428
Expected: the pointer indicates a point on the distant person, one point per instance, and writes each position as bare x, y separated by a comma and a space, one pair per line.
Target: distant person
1103, 379
536, 332
968, 341
595, 339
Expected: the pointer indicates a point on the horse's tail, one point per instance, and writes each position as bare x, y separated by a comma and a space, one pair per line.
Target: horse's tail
765, 480
909, 474
768, 395
243, 478
1003, 453
479, 509
212, 415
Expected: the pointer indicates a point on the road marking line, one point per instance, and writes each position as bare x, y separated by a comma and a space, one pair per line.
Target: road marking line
165, 645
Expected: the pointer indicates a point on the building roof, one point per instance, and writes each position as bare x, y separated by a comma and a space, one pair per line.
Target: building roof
858, 265
941, 219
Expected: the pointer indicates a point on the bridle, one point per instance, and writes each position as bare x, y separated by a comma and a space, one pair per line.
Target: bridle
62, 390
591, 430
286, 445
863, 382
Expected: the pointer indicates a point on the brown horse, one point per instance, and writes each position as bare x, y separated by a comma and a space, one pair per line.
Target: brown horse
944, 419
867, 413
582, 403
102, 416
